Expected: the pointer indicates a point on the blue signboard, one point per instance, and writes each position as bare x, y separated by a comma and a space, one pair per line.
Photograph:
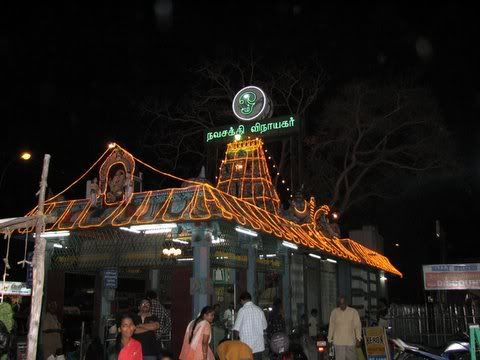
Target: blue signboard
110, 278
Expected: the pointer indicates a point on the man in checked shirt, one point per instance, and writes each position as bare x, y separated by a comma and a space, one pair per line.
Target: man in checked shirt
161, 313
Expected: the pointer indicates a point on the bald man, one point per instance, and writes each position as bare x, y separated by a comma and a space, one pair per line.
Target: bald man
344, 331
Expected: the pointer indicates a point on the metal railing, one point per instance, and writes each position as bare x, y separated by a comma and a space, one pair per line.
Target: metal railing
431, 324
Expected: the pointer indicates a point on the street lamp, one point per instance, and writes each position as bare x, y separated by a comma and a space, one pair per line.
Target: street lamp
25, 156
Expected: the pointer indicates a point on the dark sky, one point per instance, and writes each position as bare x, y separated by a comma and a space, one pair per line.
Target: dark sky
74, 75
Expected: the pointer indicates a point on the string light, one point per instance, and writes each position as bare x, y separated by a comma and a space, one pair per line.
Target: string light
274, 165
209, 202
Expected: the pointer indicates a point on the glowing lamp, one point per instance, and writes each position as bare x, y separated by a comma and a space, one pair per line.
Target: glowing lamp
290, 245
246, 231
26, 156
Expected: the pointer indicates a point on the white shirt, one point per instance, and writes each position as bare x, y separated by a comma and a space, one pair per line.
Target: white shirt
251, 323
228, 318
345, 327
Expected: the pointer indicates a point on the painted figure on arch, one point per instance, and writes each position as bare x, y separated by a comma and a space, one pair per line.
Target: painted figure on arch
94, 192
116, 181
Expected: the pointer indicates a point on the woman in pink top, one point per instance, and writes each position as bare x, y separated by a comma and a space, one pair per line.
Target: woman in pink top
127, 347
198, 336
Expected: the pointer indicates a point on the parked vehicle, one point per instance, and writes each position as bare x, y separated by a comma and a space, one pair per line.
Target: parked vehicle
455, 350
286, 347
321, 343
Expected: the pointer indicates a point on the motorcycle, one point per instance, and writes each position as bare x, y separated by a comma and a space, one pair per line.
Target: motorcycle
321, 341
285, 347
454, 350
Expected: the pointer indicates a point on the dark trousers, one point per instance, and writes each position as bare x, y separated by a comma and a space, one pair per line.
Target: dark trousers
257, 356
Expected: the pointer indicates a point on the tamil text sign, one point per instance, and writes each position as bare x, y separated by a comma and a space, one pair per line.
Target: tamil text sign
15, 288
110, 278
451, 276
271, 127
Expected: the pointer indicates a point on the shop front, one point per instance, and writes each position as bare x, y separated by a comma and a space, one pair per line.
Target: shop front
197, 245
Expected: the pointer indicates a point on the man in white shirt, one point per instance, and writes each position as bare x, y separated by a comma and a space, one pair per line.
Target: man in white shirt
345, 331
250, 325
228, 317
313, 324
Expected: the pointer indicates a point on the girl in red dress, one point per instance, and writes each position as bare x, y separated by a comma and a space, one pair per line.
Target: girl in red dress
127, 347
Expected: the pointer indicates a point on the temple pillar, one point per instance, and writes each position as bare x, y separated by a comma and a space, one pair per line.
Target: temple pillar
286, 291
252, 272
344, 280
200, 283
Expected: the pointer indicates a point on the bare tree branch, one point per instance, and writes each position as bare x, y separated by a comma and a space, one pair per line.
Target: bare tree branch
369, 135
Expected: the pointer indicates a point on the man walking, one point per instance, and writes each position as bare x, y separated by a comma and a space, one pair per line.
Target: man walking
345, 331
250, 325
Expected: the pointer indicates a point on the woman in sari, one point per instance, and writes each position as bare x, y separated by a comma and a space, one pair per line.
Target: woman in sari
127, 347
198, 336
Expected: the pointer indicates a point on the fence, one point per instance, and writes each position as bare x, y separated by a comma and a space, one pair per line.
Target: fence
431, 324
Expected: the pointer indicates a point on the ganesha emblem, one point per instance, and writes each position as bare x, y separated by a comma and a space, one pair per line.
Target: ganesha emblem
247, 101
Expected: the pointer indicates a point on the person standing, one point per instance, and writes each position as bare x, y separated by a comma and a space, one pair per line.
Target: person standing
250, 325
127, 347
313, 324
162, 315
276, 321
344, 331
52, 331
6, 326
145, 328
198, 336
228, 319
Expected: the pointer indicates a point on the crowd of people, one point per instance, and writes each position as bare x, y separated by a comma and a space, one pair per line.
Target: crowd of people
250, 334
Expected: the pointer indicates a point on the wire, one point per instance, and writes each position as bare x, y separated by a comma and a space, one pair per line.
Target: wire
81, 177
160, 171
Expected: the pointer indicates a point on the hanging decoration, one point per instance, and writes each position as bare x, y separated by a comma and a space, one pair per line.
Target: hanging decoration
24, 261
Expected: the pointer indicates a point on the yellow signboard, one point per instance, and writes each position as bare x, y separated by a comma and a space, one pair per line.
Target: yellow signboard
376, 343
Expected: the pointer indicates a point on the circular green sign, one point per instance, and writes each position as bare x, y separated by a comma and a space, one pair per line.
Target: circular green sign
250, 103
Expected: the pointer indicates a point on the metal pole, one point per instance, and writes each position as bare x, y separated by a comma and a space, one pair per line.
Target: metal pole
82, 340
38, 266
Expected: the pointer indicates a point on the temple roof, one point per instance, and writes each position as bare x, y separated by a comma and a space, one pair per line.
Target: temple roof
202, 202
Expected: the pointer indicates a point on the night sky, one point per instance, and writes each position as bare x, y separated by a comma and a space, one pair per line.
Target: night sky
74, 76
